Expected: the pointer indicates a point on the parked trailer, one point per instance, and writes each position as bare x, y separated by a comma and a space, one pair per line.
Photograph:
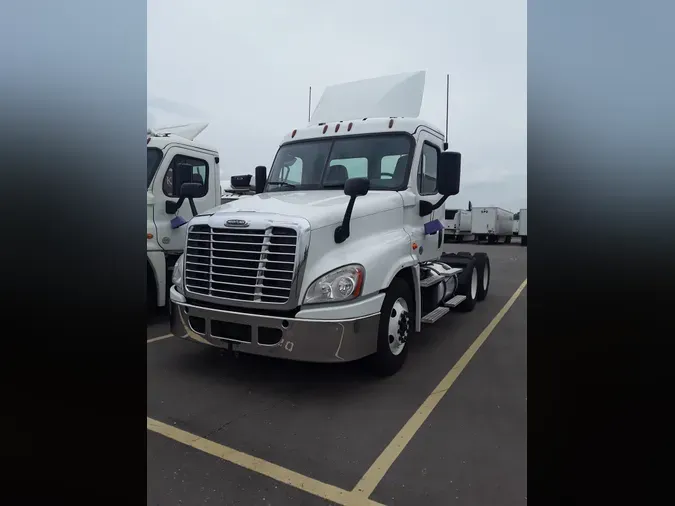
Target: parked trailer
516, 227
492, 224
457, 225
522, 232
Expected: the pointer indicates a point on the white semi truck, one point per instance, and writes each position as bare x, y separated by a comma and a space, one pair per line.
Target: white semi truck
492, 224
339, 254
174, 158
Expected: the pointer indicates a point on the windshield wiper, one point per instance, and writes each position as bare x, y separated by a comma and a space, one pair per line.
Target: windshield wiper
282, 183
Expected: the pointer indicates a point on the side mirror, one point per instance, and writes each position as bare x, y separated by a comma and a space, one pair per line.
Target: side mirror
182, 174
260, 178
191, 191
357, 186
449, 170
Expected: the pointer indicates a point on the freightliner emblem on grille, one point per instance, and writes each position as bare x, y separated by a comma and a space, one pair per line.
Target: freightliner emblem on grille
236, 223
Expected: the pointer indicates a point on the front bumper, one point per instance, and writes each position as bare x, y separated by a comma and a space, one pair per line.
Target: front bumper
289, 338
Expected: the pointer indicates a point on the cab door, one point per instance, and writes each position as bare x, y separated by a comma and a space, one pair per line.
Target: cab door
165, 189
428, 230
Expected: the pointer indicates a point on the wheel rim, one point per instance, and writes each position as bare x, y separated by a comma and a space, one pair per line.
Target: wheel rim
399, 326
474, 283
486, 277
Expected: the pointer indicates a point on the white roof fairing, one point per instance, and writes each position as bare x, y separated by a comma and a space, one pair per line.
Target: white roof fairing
188, 131
398, 95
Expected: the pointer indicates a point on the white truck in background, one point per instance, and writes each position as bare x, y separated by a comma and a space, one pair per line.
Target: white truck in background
522, 227
492, 224
339, 255
457, 225
175, 158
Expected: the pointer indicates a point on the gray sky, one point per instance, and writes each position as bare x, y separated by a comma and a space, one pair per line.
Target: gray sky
246, 67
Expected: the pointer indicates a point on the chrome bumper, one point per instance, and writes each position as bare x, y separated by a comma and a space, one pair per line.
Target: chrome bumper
289, 338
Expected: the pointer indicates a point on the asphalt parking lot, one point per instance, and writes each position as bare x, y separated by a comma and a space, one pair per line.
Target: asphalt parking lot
449, 428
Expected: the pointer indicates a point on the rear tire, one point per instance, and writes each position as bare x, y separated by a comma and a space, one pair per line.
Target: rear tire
523, 241
468, 286
484, 275
396, 323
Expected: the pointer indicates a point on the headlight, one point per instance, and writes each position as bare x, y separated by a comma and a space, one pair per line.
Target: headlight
339, 285
177, 274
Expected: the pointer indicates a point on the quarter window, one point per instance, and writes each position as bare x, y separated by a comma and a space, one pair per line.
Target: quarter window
428, 170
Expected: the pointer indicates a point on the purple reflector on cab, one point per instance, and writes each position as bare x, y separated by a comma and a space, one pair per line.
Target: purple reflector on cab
432, 227
177, 222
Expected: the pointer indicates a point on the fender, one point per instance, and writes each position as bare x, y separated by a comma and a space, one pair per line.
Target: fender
414, 268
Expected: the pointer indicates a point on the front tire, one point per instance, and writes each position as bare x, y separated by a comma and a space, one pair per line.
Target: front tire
395, 327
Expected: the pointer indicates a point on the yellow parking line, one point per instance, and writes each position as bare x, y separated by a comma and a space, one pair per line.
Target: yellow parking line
278, 473
159, 338
374, 475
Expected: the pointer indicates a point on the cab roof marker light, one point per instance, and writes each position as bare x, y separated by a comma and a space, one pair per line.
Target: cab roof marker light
349, 127
337, 127
294, 132
325, 127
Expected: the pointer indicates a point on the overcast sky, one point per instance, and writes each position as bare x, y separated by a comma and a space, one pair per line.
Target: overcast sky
246, 67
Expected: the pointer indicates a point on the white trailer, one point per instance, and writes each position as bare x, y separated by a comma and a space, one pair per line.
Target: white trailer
492, 224
457, 225
522, 232
352, 268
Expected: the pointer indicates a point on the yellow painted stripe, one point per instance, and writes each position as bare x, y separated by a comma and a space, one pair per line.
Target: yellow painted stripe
278, 473
159, 338
374, 475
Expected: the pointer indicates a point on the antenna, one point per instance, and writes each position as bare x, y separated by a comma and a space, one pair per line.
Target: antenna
447, 109
309, 109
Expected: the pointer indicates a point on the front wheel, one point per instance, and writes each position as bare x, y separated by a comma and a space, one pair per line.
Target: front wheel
395, 327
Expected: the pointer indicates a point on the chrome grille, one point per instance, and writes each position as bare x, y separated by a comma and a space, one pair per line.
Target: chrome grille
244, 265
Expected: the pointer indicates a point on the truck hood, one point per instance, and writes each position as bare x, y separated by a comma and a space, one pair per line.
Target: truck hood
321, 208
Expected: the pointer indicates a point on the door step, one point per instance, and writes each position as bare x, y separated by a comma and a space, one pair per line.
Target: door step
435, 315
455, 301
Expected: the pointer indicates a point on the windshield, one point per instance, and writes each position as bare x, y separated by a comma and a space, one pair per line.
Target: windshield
154, 157
328, 163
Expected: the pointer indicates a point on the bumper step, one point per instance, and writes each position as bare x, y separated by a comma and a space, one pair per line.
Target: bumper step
455, 301
435, 315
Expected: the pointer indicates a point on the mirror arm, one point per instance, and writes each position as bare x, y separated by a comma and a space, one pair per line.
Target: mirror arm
427, 207
342, 232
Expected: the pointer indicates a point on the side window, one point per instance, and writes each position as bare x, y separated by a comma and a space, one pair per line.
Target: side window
200, 174
428, 170
356, 167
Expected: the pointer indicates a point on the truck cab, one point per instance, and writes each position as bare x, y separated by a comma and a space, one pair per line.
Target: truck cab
174, 158
338, 256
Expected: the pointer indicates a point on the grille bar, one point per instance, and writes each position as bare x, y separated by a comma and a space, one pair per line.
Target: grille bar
244, 265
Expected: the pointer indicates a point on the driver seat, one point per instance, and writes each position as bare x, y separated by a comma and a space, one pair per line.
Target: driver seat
337, 175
